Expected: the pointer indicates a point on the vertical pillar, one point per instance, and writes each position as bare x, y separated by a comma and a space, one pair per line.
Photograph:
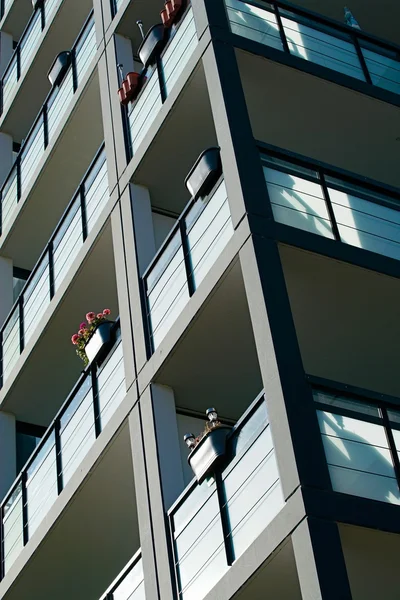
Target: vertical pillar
143, 225
6, 287
6, 50
8, 452
320, 562
6, 156
98, 20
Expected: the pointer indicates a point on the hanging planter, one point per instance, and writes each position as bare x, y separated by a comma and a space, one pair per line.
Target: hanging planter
204, 173
131, 87
59, 67
94, 338
171, 12
152, 44
209, 449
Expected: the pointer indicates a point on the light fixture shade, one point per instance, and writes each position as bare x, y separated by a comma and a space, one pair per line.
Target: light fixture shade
211, 414
205, 172
189, 438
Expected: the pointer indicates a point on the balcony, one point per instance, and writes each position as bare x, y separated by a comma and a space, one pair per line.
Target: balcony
82, 418
311, 38
23, 175
50, 271
129, 584
190, 250
213, 524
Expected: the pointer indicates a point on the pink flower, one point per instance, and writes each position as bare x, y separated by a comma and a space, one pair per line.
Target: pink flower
81, 331
75, 339
82, 325
100, 316
90, 316
106, 312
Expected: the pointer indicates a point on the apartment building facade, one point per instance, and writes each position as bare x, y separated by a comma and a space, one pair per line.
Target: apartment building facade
223, 176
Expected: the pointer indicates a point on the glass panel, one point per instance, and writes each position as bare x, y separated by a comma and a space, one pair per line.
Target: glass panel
117, 4
366, 224
30, 41
254, 23
168, 296
358, 457
9, 82
31, 154
144, 111
179, 51
132, 586
49, 7
41, 486
96, 195
85, 51
384, 70
210, 233
9, 198
298, 202
67, 243
36, 298
322, 48
77, 430
58, 103
111, 385
250, 430
333, 399
11, 343
13, 527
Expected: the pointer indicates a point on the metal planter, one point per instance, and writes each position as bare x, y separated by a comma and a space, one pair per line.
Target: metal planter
152, 44
59, 67
209, 452
205, 172
100, 342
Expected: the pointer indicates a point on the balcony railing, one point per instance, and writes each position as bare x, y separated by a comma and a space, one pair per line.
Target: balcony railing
49, 272
189, 252
317, 40
161, 81
362, 444
5, 7
25, 50
115, 5
80, 421
332, 204
42, 132
129, 584
212, 525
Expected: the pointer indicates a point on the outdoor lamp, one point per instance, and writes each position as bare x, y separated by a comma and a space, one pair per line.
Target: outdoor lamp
211, 415
189, 440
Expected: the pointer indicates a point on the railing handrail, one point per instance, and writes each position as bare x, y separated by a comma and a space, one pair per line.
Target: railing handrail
121, 576
327, 21
85, 373
193, 483
44, 108
188, 206
53, 235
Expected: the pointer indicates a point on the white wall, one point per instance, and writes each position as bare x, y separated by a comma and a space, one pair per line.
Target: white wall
162, 226
187, 425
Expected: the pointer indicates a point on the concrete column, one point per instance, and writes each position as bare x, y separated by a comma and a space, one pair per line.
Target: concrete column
320, 563
6, 156
143, 226
98, 20
6, 50
6, 287
8, 452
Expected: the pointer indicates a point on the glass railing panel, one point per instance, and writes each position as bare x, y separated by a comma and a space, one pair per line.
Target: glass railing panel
30, 40
322, 48
111, 385
384, 69
77, 430
298, 202
254, 23
11, 343
85, 51
32, 153
132, 586
9, 197
179, 51
67, 242
116, 4
58, 103
366, 224
7, 5
96, 193
41, 485
49, 8
209, 233
170, 294
10, 82
13, 529
36, 297
144, 111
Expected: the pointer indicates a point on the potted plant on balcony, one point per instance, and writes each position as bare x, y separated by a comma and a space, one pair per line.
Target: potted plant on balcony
94, 337
171, 12
205, 172
209, 448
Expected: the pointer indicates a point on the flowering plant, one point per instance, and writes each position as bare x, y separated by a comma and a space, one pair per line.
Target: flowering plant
212, 423
86, 330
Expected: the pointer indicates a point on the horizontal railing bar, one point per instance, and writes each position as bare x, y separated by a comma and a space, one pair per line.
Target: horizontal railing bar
121, 577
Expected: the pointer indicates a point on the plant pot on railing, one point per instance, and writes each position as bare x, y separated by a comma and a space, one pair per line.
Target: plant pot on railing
100, 342
94, 338
130, 88
59, 67
152, 44
205, 172
171, 12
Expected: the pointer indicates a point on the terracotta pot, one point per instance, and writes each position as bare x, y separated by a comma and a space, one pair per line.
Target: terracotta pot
165, 18
122, 96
